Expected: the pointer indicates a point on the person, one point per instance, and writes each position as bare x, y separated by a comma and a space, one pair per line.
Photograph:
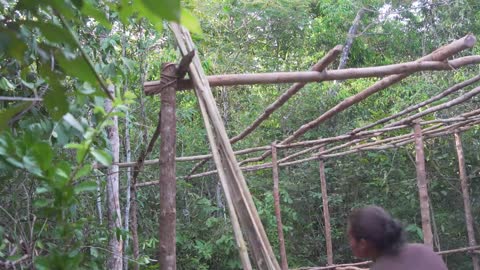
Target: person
375, 235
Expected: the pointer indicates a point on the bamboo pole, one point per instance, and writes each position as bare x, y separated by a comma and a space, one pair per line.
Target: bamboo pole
278, 214
315, 143
226, 161
466, 199
319, 66
331, 75
422, 186
440, 54
394, 142
167, 212
443, 94
326, 212
442, 106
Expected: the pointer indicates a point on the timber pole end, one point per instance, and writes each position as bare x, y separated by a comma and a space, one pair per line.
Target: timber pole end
470, 40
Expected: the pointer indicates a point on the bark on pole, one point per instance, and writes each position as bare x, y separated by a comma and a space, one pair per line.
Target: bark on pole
466, 199
422, 185
115, 243
326, 212
226, 162
167, 215
278, 215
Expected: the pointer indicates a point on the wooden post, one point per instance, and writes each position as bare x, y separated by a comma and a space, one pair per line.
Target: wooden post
278, 215
422, 185
326, 212
167, 218
466, 199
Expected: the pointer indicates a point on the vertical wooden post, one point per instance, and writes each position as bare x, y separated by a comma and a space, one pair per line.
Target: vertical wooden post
326, 212
422, 185
466, 199
167, 218
278, 215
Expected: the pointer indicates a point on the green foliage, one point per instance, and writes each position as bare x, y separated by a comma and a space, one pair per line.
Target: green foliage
67, 52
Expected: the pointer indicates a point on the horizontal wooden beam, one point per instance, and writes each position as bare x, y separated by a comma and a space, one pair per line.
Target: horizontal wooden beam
326, 75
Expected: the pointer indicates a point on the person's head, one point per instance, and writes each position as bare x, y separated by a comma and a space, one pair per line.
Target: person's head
373, 232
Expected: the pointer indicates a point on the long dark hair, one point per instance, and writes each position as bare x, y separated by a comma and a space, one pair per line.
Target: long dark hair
375, 225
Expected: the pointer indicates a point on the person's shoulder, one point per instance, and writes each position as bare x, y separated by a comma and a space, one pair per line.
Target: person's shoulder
416, 247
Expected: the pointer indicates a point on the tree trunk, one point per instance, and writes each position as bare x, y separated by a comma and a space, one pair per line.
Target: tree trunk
278, 214
167, 217
115, 244
128, 154
350, 36
466, 199
99, 200
326, 212
422, 186
134, 226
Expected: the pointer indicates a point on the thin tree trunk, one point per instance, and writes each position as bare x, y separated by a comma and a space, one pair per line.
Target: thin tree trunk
422, 186
278, 214
115, 244
350, 36
99, 200
466, 199
326, 212
133, 188
167, 216
134, 226
128, 154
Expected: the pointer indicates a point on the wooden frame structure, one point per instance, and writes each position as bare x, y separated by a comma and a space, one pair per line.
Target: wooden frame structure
245, 220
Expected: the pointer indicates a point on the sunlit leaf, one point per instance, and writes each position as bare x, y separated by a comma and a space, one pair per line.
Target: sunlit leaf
101, 156
188, 20
90, 10
86, 186
72, 121
6, 84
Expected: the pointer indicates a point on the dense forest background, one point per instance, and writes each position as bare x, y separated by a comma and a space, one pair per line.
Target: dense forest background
64, 55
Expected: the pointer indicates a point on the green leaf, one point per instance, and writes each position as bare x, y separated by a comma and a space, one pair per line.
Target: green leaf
102, 156
124, 11
78, 3
42, 152
77, 67
70, 119
87, 89
54, 33
94, 252
56, 101
87, 186
90, 10
85, 170
188, 20
40, 203
165, 9
6, 84
41, 190
8, 114
11, 45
